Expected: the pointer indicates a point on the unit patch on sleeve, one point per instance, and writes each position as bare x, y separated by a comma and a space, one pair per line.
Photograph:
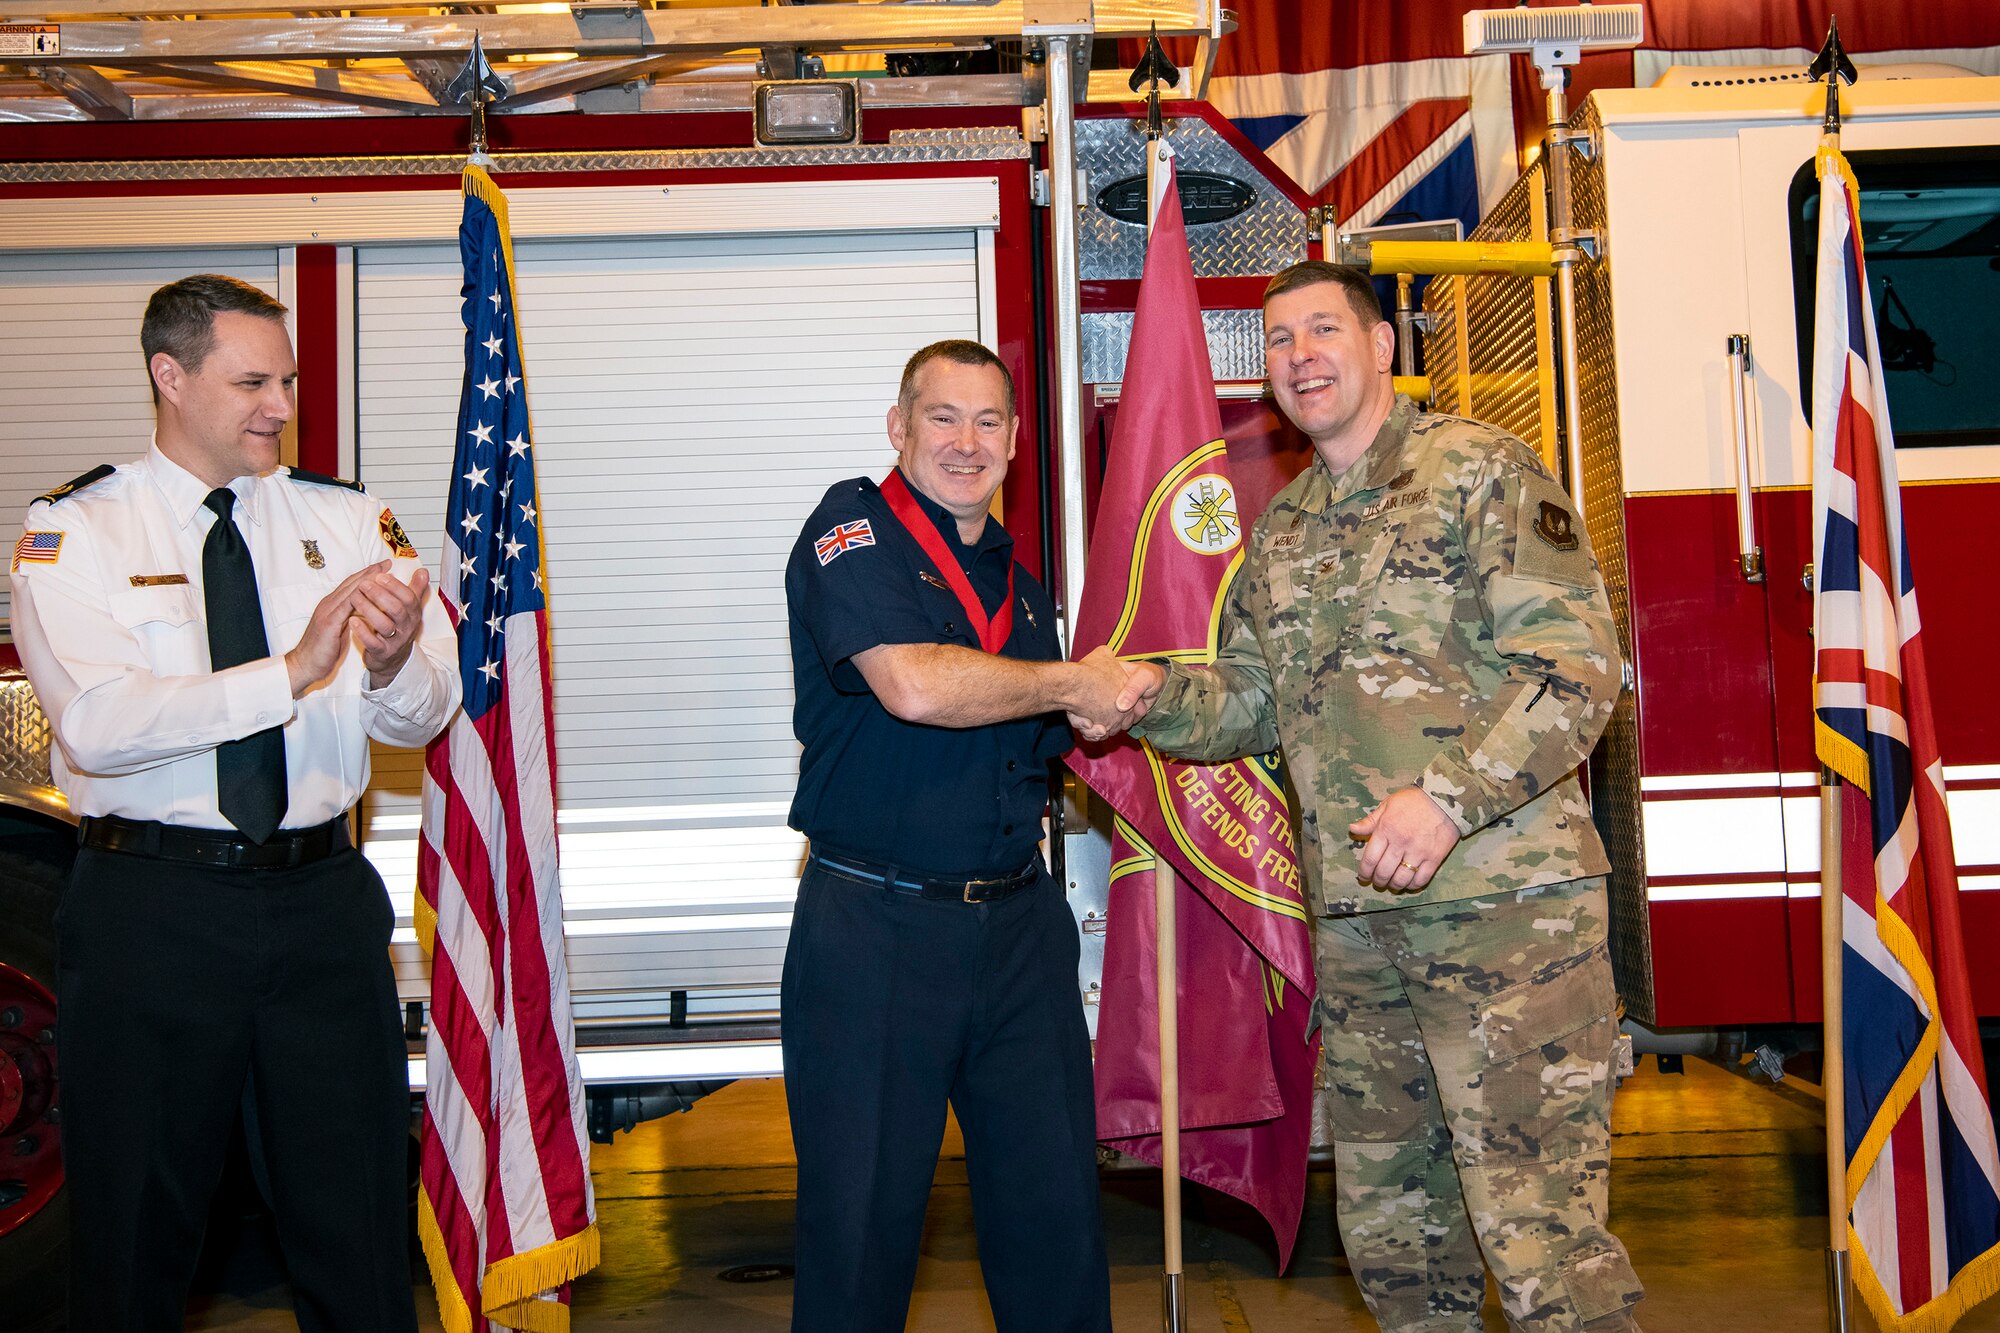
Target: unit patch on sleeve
43, 546
1554, 526
1550, 543
397, 540
842, 540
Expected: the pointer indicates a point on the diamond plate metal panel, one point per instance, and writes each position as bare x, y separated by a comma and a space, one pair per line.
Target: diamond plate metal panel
974, 145
1500, 383
1614, 788
1235, 344
1266, 237
24, 733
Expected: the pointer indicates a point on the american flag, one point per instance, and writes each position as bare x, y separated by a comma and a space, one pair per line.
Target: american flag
44, 546
506, 1214
1923, 1185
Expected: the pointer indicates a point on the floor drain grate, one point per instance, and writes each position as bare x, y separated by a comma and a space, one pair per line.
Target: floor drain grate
756, 1273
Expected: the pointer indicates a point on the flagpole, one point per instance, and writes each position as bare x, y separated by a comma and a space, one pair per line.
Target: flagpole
1832, 65
1166, 951
1833, 1079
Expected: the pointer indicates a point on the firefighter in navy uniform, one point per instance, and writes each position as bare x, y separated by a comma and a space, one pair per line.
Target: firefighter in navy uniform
215, 640
932, 958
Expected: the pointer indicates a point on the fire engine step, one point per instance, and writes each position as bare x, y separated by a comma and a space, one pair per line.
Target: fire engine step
1718, 1187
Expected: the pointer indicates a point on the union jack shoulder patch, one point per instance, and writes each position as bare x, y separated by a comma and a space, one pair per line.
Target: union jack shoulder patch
843, 539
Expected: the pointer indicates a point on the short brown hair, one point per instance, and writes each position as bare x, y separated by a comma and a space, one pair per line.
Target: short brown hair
960, 352
180, 317
1361, 297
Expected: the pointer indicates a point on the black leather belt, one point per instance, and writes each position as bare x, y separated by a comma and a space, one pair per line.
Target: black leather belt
213, 847
961, 890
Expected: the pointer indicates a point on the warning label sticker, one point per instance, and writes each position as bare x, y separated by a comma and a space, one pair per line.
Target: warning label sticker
25, 39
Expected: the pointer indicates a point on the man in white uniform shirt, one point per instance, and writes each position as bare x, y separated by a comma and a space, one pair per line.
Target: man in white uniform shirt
222, 946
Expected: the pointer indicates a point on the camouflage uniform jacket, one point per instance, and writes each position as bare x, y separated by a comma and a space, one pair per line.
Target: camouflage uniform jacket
1430, 617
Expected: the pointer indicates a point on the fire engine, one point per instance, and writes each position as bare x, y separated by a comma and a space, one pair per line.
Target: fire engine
714, 319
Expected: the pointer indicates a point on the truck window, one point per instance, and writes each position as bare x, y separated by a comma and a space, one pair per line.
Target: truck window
1930, 223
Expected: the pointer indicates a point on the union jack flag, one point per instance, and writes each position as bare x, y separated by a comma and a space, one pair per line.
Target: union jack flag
1923, 1185
506, 1215
1382, 114
843, 538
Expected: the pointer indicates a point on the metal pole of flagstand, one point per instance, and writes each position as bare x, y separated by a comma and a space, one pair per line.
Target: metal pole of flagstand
1064, 277
1571, 244
1166, 960
1069, 436
1834, 1078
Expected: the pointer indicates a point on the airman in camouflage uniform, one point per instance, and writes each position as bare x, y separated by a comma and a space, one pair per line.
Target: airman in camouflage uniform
1420, 625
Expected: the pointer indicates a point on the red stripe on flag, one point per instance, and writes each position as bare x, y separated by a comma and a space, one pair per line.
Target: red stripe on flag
1369, 171
455, 1224
543, 1066
1913, 1208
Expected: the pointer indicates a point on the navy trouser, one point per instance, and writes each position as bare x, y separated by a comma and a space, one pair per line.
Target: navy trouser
187, 993
894, 1004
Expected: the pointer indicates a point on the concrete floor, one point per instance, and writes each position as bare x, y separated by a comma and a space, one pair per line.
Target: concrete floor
1717, 1188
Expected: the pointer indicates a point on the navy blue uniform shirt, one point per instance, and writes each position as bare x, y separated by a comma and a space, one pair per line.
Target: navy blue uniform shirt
946, 802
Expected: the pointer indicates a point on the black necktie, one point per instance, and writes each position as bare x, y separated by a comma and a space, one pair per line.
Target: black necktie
249, 773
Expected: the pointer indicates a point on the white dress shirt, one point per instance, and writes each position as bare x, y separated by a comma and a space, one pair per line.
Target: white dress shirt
112, 634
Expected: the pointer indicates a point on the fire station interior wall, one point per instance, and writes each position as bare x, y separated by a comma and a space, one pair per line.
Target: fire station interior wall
73, 386
692, 400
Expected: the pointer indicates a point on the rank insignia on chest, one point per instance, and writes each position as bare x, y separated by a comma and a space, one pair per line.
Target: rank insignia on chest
314, 560
842, 539
393, 536
1402, 479
42, 546
1555, 526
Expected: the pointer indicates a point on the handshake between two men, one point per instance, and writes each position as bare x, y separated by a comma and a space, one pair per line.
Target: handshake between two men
1112, 694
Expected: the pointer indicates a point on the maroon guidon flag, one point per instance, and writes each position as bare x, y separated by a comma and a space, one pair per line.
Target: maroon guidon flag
1167, 541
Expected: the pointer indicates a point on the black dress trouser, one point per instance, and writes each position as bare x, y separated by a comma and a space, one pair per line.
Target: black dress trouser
188, 993
894, 1005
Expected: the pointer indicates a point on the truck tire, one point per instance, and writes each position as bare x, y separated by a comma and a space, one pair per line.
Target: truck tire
34, 1209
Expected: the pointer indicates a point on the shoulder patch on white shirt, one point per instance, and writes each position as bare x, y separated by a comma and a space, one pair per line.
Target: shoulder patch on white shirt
843, 539
46, 547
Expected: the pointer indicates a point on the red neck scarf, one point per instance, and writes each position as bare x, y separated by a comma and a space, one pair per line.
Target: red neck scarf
992, 634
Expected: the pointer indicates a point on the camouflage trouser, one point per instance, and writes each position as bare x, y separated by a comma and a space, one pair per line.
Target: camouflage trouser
1468, 1046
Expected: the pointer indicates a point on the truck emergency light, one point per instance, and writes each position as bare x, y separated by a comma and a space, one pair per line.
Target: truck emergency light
794, 112
1554, 37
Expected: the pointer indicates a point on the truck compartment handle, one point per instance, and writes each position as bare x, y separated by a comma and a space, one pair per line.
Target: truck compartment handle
1749, 555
